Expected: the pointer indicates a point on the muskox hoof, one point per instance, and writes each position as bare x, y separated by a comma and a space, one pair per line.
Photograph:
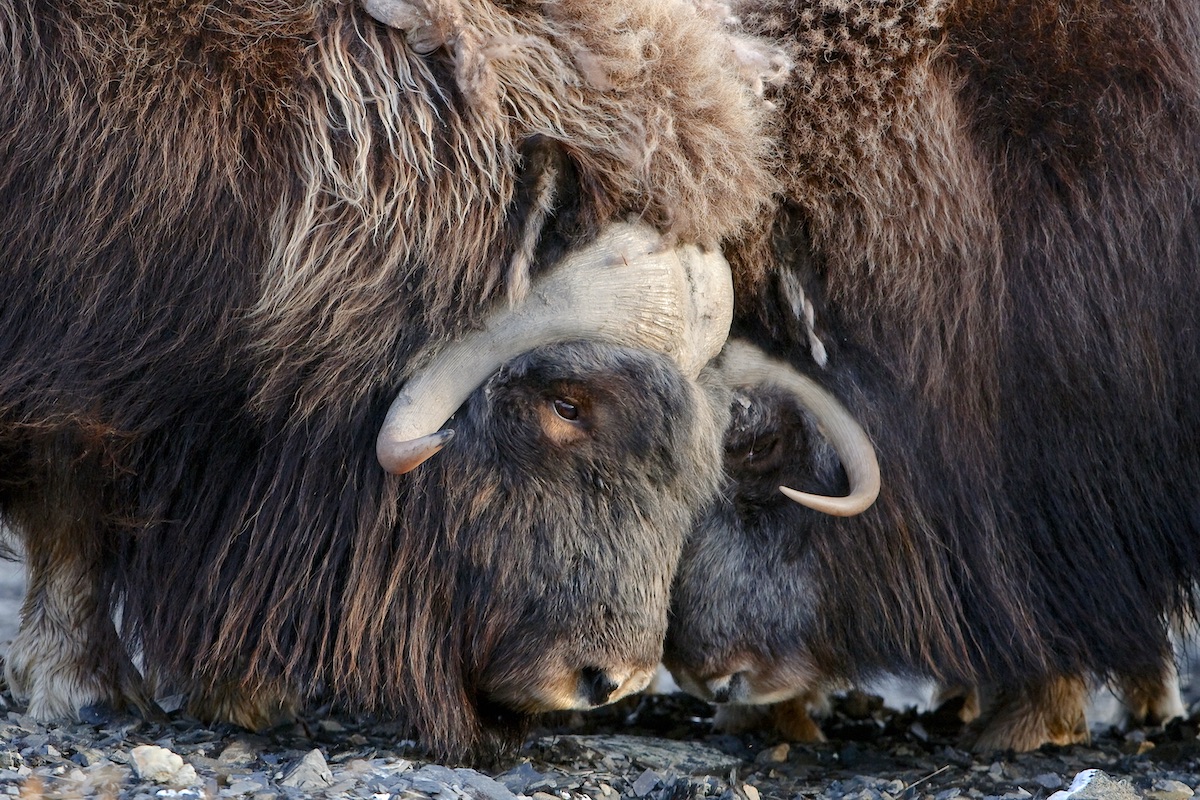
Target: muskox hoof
253, 710
60, 673
790, 719
957, 703
1151, 700
67, 655
1027, 717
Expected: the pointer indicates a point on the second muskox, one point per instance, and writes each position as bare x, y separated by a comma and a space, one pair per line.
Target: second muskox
986, 249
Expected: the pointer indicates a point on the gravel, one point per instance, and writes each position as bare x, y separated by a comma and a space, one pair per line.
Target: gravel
653, 748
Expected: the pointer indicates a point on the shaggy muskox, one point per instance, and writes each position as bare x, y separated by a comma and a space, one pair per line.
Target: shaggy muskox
987, 248
231, 232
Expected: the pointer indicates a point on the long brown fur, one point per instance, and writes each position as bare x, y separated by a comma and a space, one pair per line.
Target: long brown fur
224, 230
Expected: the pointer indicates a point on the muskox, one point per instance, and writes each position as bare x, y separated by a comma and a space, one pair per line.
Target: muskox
986, 247
255, 255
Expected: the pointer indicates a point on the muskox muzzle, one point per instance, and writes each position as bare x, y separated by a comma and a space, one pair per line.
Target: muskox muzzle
626, 288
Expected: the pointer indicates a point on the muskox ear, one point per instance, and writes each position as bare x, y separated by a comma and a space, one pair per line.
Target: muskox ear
547, 217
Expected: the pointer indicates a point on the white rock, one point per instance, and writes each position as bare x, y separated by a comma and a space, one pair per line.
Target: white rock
158, 764
1093, 784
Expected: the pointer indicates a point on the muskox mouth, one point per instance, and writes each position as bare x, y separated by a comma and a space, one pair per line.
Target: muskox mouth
626, 288
749, 682
562, 688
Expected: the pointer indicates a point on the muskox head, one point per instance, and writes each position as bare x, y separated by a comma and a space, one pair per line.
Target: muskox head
567, 491
744, 606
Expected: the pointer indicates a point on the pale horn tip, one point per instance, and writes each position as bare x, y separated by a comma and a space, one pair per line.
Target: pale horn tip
399, 457
849, 506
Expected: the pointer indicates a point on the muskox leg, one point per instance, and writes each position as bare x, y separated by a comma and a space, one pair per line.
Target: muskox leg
1026, 717
254, 709
1151, 700
959, 702
67, 656
792, 719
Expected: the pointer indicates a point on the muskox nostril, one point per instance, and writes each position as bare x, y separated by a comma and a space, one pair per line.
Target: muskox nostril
597, 685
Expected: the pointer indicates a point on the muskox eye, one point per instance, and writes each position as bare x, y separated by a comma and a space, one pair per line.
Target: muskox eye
761, 449
566, 409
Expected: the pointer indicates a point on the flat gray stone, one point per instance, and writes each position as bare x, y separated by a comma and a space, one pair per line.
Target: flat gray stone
646, 782
660, 755
481, 787
520, 777
310, 772
1049, 781
248, 785
1164, 789
239, 753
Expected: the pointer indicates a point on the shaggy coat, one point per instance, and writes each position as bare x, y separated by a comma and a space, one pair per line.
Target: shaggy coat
987, 246
225, 228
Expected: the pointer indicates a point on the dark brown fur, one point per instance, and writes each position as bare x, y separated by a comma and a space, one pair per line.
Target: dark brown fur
995, 210
224, 230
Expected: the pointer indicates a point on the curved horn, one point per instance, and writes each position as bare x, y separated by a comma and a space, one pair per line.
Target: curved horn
625, 288
428, 26
743, 364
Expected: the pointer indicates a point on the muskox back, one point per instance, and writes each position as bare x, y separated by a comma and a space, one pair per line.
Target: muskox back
226, 232
987, 249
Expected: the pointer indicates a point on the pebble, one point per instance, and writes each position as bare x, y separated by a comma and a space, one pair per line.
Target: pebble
1093, 784
1163, 789
1048, 780
310, 772
775, 755
160, 765
239, 752
645, 783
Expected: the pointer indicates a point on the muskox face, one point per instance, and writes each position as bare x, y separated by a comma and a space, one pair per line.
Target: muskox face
744, 601
569, 485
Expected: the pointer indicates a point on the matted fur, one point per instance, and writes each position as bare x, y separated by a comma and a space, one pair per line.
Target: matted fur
224, 230
995, 210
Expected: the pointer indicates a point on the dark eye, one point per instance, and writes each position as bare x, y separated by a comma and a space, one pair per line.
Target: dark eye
762, 448
566, 409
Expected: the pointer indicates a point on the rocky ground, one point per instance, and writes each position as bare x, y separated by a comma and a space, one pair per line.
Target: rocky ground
652, 748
